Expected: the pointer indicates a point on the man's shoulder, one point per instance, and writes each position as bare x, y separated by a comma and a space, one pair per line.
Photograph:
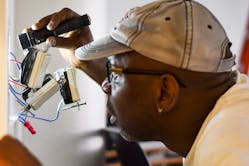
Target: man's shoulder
224, 140
224, 135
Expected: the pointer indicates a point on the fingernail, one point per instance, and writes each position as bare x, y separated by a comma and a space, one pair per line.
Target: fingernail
24, 31
33, 27
51, 41
50, 25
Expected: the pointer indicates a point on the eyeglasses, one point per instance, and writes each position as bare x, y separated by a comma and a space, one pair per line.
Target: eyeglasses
110, 68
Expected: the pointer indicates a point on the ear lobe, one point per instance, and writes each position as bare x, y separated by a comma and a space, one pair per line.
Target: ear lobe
169, 93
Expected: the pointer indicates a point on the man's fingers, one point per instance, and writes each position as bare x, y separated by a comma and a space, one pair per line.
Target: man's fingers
61, 42
41, 23
53, 20
71, 40
59, 17
26, 30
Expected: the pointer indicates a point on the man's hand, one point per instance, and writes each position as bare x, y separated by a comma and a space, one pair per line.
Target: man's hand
67, 42
13, 153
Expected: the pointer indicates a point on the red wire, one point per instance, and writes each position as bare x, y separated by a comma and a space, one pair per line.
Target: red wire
17, 83
12, 60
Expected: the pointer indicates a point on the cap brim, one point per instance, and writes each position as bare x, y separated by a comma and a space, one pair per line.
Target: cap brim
101, 48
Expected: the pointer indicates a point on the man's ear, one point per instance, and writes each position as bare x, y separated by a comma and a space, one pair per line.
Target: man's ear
169, 93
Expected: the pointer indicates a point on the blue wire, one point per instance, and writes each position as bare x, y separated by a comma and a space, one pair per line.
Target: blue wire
17, 65
44, 119
22, 117
21, 103
24, 104
13, 55
21, 120
15, 90
14, 79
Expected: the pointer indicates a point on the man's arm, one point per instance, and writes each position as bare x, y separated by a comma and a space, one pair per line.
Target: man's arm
68, 42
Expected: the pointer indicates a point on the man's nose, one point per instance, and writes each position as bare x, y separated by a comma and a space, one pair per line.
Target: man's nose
106, 87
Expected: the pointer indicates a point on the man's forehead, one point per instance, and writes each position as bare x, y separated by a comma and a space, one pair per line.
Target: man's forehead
128, 56
118, 57
121, 59
134, 60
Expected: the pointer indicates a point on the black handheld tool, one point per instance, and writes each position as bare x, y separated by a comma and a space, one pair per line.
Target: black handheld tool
32, 38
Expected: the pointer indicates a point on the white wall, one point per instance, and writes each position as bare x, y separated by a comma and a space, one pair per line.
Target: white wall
72, 139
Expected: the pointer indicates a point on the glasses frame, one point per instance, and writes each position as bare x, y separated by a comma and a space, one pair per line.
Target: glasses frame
110, 68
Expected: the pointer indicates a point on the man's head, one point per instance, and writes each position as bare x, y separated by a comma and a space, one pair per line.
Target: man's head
162, 53
181, 33
152, 100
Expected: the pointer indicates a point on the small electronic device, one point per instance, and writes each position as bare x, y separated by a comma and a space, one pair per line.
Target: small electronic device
32, 38
63, 80
41, 86
67, 83
43, 94
33, 68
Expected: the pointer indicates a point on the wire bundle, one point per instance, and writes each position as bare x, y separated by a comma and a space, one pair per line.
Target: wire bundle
24, 114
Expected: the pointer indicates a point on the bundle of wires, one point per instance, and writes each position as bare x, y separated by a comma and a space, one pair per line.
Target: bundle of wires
16, 81
23, 115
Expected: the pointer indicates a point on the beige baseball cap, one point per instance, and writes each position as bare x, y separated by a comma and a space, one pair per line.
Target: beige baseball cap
181, 33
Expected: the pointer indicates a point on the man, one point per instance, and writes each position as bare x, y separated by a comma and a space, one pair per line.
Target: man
167, 70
